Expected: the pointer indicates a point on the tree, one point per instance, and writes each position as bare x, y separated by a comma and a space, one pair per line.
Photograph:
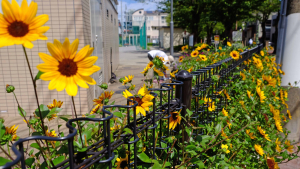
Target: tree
264, 11
192, 14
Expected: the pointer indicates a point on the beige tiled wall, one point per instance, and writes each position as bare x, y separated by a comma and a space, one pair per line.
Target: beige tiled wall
14, 70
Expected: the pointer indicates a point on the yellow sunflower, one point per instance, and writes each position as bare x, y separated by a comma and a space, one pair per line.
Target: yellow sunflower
19, 25
278, 125
11, 130
290, 147
259, 150
96, 108
262, 53
132, 87
210, 104
260, 94
183, 48
52, 117
128, 80
194, 53
150, 64
203, 57
241, 50
103, 96
55, 104
190, 69
250, 134
143, 103
180, 59
277, 142
145, 71
289, 113
51, 134
172, 74
249, 94
208, 50
280, 71
122, 163
243, 75
224, 134
235, 55
220, 48
271, 163
271, 81
224, 146
66, 69
228, 43
160, 73
224, 112
174, 119
263, 133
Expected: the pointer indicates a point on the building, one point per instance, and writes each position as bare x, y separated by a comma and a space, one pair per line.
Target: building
145, 21
93, 22
179, 37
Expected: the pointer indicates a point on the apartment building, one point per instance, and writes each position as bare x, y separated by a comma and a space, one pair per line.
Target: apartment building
93, 22
149, 21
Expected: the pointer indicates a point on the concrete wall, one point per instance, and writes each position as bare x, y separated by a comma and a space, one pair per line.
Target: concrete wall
177, 36
14, 70
294, 107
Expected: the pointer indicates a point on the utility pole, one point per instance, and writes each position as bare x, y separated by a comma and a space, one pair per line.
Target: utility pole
126, 15
171, 30
122, 22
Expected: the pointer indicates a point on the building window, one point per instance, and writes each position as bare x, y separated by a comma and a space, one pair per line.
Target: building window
115, 21
140, 12
163, 17
107, 15
111, 18
162, 21
148, 27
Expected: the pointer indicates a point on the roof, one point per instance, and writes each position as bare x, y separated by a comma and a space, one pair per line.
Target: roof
137, 10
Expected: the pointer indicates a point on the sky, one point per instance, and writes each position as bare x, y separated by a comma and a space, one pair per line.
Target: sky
132, 4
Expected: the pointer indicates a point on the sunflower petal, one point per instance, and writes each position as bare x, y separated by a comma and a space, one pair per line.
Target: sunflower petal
89, 52
82, 53
55, 50
7, 11
141, 110
16, 9
49, 75
88, 71
48, 59
87, 62
61, 84
127, 94
88, 80
53, 83
147, 98
78, 80
45, 67
31, 12
38, 21
146, 105
71, 87
74, 47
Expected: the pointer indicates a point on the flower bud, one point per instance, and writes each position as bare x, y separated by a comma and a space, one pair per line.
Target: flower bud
103, 86
9, 88
106, 101
121, 80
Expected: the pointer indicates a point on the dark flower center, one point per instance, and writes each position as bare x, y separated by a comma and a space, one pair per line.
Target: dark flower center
67, 67
234, 55
174, 116
123, 164
139, 100
18, 29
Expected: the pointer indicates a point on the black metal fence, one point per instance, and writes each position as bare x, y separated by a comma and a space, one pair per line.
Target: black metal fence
188, 86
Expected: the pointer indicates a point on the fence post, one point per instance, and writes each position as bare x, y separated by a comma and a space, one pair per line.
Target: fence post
186, 92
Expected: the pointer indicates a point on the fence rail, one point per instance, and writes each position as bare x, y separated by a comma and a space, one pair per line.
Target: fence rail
204, 86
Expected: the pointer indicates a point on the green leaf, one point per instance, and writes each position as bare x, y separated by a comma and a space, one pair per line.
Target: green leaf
29, 161
58, 160
54, 111
218, 128
35, 145
63, 149
190, 147
156, 166
190, 113
23, 111
118, 114
44, 111
64, 118
285, 155
201, 102
127, 130
144, 158
38, 75
2, 130
3, 161
37, 134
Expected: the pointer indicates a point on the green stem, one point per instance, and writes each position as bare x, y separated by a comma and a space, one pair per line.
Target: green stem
79, 128
8, 148
2, 149
37, 99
